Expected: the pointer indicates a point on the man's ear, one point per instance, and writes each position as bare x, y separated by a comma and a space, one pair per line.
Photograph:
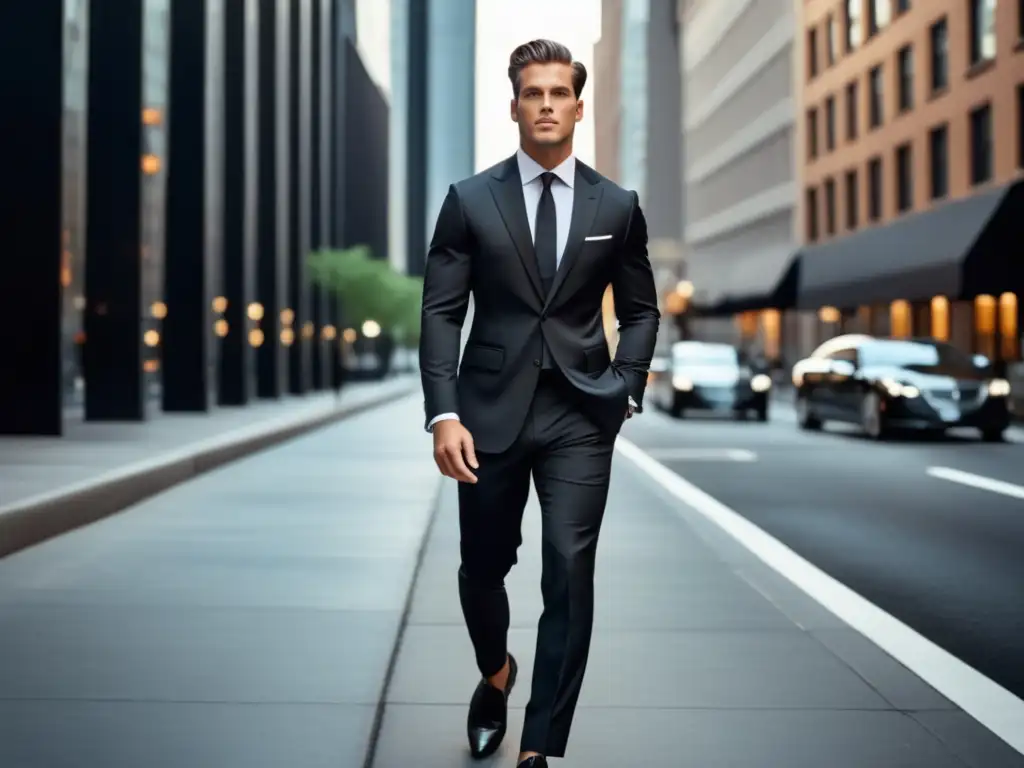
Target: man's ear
513, 107
579, 110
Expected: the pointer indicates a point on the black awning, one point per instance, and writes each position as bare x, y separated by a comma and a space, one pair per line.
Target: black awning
757, 280
958, 249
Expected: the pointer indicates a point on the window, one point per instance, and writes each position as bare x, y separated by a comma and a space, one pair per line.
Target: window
877, 96
832, 44
851, 199
938, 160
940, 55
875, 188
812, 214
812, 133
983, 30
830, 123
854, 19
981, 144
812, 53
904, 178
830, 206
852, 116
905, 60
879, 15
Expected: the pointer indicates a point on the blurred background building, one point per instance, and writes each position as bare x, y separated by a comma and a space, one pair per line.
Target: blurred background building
806, 167
911, 153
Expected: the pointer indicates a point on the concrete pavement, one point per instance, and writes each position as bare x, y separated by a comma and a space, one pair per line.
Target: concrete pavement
244, 619
52, 485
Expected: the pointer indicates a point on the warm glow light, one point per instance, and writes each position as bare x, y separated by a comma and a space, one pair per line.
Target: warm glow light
287, 337
675, 303
685, 289
308, 330
151, 116
255, 311
220, 304
350, 335
940, 318
899, 319
221, 327
158, 310
329, 333
256, 337
287, 316
829, 315
1008, 325
771, 323
150, 164
371, 329
151, 338
985, 314
151, 366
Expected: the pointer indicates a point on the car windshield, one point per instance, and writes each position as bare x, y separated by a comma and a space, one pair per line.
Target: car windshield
922, 356
705, 354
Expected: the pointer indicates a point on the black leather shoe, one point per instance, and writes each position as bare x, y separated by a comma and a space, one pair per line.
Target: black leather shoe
536, 761
488, 714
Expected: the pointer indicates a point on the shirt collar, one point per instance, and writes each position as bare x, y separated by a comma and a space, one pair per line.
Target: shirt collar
530, 169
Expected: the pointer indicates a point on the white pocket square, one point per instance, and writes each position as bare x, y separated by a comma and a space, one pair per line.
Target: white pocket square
592, 238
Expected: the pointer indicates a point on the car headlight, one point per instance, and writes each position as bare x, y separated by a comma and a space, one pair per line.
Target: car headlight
999, 388
761, 383
899, 389
682, 383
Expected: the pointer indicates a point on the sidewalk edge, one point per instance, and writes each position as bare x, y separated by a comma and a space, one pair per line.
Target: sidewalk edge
23, 526
403, 622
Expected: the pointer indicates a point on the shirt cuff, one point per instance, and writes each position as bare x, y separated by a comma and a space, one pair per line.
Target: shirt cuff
441, 417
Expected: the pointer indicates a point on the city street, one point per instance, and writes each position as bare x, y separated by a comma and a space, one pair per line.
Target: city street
929, 530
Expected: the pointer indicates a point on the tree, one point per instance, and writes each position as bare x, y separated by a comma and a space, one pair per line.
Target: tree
370, 289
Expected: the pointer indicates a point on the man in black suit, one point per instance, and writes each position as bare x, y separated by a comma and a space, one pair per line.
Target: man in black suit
536, 240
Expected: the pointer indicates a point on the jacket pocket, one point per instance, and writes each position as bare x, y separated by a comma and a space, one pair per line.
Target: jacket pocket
483, 357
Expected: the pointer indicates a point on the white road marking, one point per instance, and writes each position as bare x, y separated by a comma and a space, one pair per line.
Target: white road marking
977, 481
986, 701
703, 454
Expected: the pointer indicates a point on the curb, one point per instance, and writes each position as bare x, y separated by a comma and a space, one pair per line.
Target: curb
24, 524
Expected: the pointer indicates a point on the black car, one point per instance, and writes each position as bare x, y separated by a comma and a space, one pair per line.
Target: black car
908, 384
714, 377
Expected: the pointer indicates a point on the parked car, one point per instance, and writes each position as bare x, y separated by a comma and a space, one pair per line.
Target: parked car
885, 384
712, 377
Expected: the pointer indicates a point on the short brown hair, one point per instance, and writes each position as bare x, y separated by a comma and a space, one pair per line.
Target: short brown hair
544, 52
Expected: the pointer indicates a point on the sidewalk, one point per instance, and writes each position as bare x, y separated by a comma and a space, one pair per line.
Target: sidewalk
244, 619
702, 656
51, 485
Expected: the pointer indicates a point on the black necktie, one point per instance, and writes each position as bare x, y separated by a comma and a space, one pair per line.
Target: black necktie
546, 234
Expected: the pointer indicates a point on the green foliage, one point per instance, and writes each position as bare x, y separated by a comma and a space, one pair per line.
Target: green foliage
370, 289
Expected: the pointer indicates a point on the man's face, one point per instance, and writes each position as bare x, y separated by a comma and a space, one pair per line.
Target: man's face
547, 109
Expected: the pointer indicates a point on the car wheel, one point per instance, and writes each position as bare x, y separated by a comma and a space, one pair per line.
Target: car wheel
805, 417
996, 435
871, 416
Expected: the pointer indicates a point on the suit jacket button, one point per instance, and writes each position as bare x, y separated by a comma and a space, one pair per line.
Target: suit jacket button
537, 363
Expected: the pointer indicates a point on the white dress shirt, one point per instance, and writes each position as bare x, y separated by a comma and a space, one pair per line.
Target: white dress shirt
562, 187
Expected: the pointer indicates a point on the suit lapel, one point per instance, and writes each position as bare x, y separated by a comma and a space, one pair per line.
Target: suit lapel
586, 200
507, 189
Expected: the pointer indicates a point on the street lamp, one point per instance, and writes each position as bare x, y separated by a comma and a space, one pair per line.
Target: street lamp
371, 329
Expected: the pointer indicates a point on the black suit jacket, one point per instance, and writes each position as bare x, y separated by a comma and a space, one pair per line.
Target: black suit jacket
482, 245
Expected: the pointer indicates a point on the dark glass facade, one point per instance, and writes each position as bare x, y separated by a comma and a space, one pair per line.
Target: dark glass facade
108, 336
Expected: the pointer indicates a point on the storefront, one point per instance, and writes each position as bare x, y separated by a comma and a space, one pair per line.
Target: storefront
954, 273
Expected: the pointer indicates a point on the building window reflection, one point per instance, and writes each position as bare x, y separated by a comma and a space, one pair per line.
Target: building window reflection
73, 193
152, 169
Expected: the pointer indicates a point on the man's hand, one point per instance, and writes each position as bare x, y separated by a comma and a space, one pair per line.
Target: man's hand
453, 451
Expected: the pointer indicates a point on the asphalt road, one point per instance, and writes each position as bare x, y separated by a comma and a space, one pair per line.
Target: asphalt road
944, 557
